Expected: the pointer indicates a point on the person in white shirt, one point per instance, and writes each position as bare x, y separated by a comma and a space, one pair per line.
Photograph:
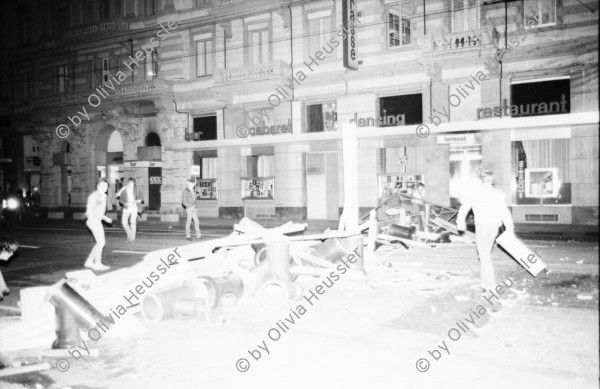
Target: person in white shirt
130, 197
491, 213
95, 210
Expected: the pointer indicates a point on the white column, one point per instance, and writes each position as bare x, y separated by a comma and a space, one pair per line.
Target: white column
350, 157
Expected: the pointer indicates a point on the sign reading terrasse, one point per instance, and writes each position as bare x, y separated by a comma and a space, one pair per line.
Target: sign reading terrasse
349, 13
466, 139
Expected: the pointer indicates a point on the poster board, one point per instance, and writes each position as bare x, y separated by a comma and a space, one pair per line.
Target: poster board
258, 187
206, 189
398, 184
541, 182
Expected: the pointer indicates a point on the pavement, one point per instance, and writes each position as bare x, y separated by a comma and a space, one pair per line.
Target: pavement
415, 321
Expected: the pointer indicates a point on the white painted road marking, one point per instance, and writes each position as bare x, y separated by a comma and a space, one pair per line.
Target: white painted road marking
131, 252
30, 247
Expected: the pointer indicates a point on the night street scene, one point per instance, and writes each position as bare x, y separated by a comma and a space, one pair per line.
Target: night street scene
299, 194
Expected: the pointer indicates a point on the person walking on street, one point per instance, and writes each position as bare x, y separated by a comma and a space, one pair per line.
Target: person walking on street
95, 210
189, 203
130, 197
491, 213
7, 248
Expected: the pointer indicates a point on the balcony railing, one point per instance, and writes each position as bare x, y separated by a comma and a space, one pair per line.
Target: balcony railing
101, 27
81, 97
140, 87
254, 72
457, 41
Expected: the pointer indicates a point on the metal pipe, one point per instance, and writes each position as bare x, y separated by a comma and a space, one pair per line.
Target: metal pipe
64, 297
73, 313
291, 66
187, 130
424, 19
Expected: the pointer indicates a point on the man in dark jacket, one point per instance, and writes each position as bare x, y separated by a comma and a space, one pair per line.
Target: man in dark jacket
189, 203
131, 198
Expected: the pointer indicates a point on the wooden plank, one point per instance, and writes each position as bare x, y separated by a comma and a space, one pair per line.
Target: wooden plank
450, 227
323, 236
408, 242
24, 369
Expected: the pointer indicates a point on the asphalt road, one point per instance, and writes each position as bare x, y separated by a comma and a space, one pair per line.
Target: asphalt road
47, 252
359, 334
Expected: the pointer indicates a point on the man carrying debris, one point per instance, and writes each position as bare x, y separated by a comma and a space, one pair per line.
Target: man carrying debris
189, 203
490, 212
7, 248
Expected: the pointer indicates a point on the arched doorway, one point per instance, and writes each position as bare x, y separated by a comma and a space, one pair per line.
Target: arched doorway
109, 160
152, 152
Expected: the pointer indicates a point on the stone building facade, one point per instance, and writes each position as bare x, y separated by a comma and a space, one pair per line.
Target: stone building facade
250, 97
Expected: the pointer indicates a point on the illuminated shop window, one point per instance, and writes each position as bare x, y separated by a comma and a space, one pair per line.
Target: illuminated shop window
260, 180
541, 171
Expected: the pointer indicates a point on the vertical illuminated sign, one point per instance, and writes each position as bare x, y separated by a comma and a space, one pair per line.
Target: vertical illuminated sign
349, 23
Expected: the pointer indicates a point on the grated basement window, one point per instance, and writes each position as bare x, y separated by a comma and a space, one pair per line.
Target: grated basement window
532, 217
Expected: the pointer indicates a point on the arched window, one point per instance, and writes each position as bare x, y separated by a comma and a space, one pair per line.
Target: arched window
152, 139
